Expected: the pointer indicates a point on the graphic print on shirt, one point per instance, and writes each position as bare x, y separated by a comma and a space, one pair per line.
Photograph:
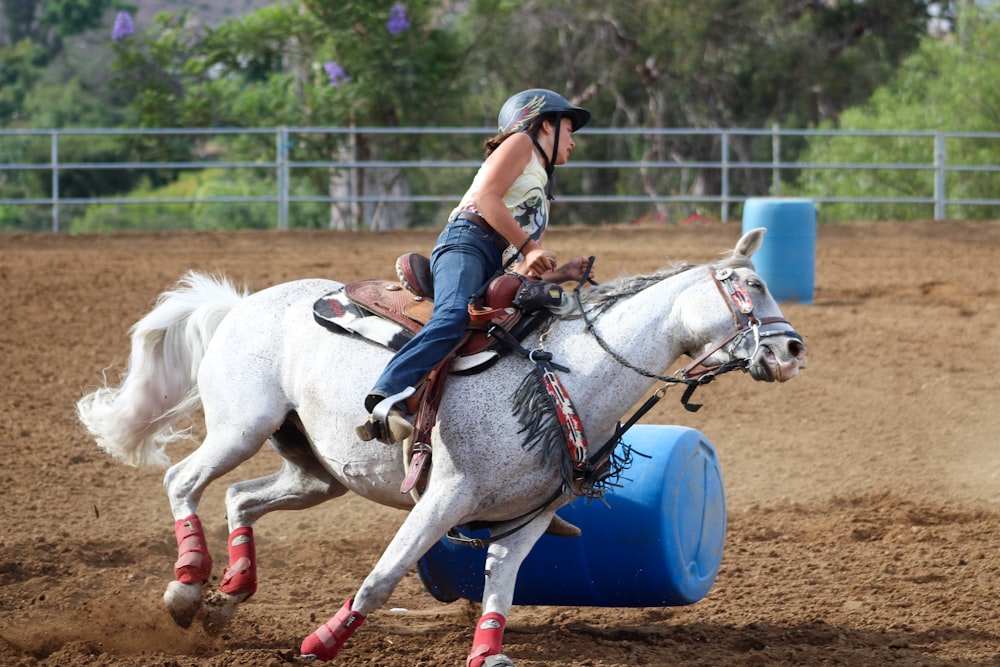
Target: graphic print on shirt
532, 213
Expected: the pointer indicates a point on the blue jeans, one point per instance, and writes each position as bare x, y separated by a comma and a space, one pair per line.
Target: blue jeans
462, 261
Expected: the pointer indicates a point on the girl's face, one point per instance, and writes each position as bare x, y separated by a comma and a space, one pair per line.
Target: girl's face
566, 143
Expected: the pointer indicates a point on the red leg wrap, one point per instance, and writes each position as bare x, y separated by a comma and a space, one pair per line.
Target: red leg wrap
240, 577
329, 638
194, 564
488, 639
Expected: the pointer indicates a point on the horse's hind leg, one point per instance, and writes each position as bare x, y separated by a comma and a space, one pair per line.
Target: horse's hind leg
225, 447
301, 482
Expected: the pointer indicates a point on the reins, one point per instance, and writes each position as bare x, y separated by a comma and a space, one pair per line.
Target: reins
598, 465
745, 322
687, 375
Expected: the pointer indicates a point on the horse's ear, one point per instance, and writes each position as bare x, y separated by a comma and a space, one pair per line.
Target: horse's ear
750, 243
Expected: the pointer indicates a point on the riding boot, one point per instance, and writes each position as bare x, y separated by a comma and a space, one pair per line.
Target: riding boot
387, 422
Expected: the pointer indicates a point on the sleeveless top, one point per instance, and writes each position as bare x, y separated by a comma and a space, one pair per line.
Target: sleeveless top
525, 199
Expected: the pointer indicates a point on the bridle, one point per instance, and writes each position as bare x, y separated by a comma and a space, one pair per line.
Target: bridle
745, 323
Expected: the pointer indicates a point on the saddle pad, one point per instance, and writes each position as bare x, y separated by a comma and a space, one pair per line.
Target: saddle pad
336, 312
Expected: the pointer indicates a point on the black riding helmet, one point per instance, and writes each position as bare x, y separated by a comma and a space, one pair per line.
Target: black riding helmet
521, 109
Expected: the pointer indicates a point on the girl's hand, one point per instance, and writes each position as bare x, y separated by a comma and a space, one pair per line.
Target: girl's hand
539, 261
571, 271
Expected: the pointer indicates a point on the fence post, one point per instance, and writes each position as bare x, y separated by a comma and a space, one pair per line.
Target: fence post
355, 184
282, 177
775, 160
725, 177
939, 181
55, 181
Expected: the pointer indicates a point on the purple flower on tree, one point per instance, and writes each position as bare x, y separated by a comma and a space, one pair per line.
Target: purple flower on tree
123, 26
335, 73
397, 22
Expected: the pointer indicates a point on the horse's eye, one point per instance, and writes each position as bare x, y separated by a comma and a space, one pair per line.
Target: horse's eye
754, 283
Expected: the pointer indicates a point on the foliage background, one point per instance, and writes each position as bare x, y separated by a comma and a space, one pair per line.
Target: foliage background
864, 64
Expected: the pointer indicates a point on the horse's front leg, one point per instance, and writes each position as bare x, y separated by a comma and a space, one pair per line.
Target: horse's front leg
426, 523
503, 560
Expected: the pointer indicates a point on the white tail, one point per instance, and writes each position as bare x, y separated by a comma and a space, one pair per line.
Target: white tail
134, 422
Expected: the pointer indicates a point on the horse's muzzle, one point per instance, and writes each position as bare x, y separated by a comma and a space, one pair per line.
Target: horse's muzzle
778, 359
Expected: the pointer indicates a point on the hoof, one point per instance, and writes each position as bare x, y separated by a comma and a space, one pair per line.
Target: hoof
498, 660
183, 602
313, 649
218, 610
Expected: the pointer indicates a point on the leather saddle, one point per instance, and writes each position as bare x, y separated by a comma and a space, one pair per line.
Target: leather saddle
401, 308
391, 312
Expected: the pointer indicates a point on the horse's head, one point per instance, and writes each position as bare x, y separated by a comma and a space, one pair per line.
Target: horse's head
748, 327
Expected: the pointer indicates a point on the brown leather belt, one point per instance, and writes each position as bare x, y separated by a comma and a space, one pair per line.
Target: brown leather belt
478, 220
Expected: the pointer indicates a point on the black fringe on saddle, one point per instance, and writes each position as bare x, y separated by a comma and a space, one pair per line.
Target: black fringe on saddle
536, 413
535, 410
597, 481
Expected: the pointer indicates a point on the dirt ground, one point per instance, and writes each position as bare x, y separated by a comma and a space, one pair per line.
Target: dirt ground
862, 496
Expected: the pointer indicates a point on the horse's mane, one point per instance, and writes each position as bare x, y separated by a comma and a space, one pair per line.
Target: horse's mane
601, 296
625, 286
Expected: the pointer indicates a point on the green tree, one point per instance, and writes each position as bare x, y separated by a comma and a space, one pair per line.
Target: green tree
947, 86
301, 64
721, 64
269, 68
49, 22
21, 67
34, 37
358, 63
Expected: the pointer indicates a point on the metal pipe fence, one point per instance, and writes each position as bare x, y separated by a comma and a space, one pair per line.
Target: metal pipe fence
721, 165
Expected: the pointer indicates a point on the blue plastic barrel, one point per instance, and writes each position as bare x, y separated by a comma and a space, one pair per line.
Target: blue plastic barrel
656, 543
787, 259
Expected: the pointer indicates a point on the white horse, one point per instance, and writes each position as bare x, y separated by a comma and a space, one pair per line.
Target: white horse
264, 371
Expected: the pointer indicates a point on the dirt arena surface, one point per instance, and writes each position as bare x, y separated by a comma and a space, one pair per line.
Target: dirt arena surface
863, 495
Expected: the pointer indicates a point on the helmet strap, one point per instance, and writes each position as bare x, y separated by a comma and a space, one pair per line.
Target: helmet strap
550, 162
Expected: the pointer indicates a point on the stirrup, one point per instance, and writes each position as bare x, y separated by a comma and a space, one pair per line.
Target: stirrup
386, 422
394, 429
